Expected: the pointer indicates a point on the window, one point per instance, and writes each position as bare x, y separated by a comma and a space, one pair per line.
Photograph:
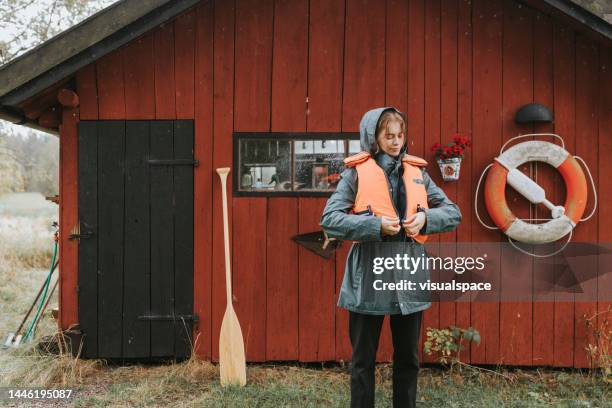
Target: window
290, 164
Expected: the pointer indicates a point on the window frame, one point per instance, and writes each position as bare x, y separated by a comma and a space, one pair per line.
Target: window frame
289, 136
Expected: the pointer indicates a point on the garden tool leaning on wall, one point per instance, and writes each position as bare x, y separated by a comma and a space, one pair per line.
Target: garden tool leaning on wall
14, 339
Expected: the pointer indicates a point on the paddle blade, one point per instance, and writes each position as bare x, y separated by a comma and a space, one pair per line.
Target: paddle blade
223, 171
232, 363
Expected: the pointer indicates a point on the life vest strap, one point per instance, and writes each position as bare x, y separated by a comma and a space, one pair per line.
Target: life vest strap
355, 159
360, 157
414, 160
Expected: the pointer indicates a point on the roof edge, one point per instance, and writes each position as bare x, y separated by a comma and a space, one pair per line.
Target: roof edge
90, 54
582, 15
73, 40
61, 35
16, 118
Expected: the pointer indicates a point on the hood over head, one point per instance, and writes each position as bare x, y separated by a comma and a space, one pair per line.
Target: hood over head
367, 129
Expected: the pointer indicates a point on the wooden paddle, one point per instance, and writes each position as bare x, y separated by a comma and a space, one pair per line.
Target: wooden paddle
232, 363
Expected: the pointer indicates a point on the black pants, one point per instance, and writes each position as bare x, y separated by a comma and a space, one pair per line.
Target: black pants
364, 331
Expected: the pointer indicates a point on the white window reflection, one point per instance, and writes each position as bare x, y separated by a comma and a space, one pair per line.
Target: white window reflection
281, 165
354, 147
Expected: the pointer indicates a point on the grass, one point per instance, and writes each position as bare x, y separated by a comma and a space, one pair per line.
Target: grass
25, 254
195, 383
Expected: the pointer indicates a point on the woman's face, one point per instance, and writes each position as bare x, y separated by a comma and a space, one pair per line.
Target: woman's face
391, 140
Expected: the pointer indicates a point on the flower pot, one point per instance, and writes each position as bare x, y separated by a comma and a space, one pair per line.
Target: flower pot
450, 168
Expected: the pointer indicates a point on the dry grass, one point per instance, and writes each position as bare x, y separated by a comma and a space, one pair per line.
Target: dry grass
28, 365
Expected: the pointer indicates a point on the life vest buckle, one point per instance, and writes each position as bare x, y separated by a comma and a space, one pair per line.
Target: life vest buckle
366, 212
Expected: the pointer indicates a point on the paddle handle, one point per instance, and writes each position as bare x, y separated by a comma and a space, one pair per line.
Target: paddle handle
223, 172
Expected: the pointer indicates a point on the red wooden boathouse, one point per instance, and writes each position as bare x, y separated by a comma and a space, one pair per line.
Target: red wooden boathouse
173, 80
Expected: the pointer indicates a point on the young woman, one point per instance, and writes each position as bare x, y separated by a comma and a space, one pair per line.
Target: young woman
385, 197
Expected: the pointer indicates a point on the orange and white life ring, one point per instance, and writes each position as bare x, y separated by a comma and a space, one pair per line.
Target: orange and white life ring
504, 170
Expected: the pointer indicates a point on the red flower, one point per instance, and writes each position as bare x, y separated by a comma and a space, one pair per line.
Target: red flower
456, 148
460, 140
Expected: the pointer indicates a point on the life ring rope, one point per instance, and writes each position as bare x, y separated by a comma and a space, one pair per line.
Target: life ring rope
592, 185
556, 157
531, 135
569, 238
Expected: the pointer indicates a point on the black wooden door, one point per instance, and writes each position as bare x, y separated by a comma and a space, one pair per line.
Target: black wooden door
136, 238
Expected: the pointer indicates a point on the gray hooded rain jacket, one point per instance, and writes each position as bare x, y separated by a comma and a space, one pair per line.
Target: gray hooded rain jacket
337, 221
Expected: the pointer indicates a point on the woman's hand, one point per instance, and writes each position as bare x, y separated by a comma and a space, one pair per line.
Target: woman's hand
389, 226
414, 223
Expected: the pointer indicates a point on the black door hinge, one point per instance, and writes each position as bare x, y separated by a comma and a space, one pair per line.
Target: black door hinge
172, 318
174, 162
81, 235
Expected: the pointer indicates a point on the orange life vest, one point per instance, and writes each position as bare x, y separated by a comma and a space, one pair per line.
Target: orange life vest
373, 187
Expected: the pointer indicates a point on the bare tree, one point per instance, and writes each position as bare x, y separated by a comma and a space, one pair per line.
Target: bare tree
11, 170
27, 23
30, 163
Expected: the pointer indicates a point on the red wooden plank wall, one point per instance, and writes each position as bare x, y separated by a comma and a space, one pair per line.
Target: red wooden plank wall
515, 317
549, 179
315, 65
464, 124
564, 108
